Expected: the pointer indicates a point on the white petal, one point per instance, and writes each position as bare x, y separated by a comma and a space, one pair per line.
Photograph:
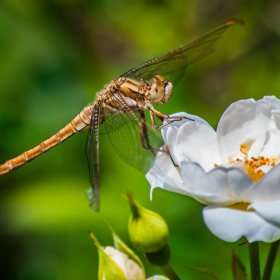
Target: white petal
176, 133
269, 211
264, 168
169, 135
175, 124
269, 103
272, 147
239, 165
221, 186
165, 175
178, 124
170, 141
230, 225
191, 142
234, 181
243, 120
267, 188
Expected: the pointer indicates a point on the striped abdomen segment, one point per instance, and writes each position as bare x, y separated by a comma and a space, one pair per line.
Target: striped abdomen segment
79, 123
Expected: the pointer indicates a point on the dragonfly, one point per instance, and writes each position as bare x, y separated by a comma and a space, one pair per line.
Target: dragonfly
120, 107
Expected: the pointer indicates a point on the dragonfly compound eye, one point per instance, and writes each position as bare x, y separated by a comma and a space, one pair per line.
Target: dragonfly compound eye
164, 90
157, 90
161, 90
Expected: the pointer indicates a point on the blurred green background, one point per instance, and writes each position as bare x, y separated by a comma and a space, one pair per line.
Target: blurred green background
54, 56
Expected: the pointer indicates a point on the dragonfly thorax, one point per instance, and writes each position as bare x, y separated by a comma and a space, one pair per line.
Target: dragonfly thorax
161, 90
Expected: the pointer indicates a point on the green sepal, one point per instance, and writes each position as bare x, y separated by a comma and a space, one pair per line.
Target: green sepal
121, 246
107, 269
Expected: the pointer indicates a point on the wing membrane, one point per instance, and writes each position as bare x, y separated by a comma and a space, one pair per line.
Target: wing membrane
92, 152
126, 139
172, 65
123, 132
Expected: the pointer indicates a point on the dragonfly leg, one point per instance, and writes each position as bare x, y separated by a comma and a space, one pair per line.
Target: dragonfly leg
161, 116
164, 117
144, 136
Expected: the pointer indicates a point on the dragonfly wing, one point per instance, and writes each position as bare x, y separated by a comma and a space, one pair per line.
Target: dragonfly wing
126, 139
92, 152
172, 65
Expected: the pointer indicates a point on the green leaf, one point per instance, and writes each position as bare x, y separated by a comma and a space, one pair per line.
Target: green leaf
204, 270
238, 269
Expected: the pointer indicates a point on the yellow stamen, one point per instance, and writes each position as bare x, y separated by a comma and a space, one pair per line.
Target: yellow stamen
253, 164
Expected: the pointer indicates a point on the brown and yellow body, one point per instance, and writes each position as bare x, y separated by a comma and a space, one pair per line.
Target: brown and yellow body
79, 123
122, 96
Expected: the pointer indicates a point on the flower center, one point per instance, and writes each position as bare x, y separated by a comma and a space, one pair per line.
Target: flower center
253, 166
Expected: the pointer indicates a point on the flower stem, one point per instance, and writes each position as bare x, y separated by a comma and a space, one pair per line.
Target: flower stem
270, 260
254, 261
169, 272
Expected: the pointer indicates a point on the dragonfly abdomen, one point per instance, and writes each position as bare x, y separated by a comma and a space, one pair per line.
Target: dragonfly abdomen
78, 124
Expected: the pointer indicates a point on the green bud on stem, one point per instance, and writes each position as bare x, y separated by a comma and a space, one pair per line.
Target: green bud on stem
147, 230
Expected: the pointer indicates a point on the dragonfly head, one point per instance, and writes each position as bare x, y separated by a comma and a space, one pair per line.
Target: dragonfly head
161, 90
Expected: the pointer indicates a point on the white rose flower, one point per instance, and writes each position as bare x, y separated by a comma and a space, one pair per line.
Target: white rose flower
234, 170
130, 268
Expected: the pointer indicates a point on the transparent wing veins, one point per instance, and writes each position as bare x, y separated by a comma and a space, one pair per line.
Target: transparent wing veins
180, 58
